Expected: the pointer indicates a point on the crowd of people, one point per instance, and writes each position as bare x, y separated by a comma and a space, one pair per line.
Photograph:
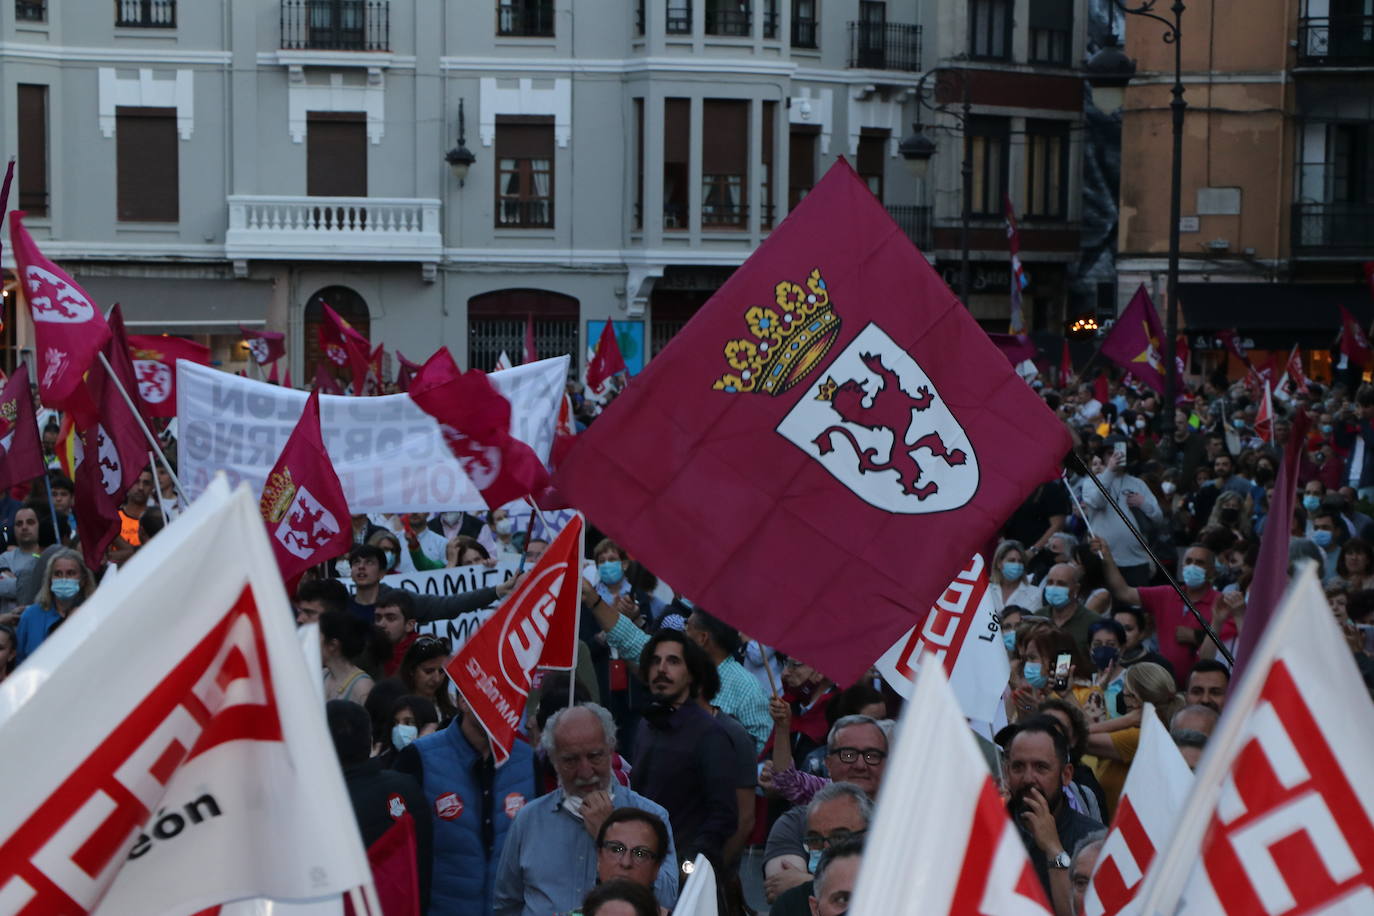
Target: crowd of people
679, 735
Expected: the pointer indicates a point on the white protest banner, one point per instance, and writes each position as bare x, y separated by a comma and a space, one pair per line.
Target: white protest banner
1281, 816
962, 631
1152, 800
199, 769
941, 842
388, 453
454, 581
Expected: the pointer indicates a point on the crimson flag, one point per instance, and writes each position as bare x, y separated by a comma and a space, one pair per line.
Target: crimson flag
1230, 341
475, 420
155, 366
286, 382
68, 329
607, 361
335, 335
303, 502
1017, 348
264, 346
272, 377
1134, 342
1101, 391
780, 403
1180, 359
1354, 343
1264, 416
536, 627
325, 382
1297, 378
1368, 274
406, 372
395, 874
531, 353
1065, 364
5, 201
21, 449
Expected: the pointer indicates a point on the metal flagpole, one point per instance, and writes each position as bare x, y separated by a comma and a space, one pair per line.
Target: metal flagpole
147, 433
56, 530
1064, 475
1206, 627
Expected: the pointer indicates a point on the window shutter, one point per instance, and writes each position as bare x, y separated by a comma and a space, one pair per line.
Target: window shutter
524, 137
33, 149
146, 164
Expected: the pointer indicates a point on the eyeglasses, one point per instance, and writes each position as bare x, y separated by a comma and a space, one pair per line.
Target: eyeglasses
871, 756
816, 841
425, 642
618, 850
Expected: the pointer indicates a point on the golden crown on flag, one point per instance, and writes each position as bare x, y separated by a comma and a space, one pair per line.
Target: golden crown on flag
153, 355
786, 343
277, 495
9, 410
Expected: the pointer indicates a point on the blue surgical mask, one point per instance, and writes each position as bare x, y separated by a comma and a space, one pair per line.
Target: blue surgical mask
402, 735
813, 860
1321, 537
1220, 568
611, 572
1311, 502
1012, 571
66, 589
1194, 576
392, 558
1326, 429
1056, 595
1238, 423
1009, 640
1035, 675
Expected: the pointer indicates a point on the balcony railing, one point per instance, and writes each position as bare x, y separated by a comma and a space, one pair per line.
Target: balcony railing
915, 222
531, 19
31, 10
884, 46
521, 213
803, 33
333, 228
1333, 228
1336, 41
146, 14
336, 25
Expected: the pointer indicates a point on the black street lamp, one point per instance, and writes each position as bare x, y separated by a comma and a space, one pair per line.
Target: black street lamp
917, 149
460, 158
1109, 70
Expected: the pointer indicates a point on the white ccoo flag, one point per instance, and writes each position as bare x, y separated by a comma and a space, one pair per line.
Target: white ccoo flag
942, 842
699, 894
1281, 818
1156, 789
176, 754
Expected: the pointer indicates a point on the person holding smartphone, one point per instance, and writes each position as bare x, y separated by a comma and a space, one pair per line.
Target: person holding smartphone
1135, 499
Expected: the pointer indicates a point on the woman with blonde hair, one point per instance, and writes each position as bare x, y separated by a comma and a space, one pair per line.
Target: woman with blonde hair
66, 583
1008, 575
1115, 741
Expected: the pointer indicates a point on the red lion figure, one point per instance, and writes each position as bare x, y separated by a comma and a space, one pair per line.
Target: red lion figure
891, 411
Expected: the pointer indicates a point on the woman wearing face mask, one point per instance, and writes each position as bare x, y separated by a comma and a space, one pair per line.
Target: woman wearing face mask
1008, 575
1233, 512
1038, 648
66, 583
1106, 639
397, 560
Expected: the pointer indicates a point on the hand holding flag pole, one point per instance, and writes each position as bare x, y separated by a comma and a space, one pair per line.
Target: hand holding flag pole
147, 433
1173, 583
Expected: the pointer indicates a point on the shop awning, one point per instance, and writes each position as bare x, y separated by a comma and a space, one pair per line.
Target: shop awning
182, 306
1274, 315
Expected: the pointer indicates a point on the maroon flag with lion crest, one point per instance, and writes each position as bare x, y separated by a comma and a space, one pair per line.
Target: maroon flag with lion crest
303, 502
816, 454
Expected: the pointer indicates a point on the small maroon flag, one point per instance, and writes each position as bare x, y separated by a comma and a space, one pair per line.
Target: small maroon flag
845, 406
1230, 341
21, 449
68, 329
406, 372
531, 354
1264, 415
272, 377
335, 336
325, 382
155, 366
1354, 343
1297, 378
5, 197
264, 346
607, 361
1017, 348
286, 382
303, 502
475, 420
1135, 341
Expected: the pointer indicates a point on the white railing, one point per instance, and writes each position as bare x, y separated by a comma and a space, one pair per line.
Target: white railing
334, 228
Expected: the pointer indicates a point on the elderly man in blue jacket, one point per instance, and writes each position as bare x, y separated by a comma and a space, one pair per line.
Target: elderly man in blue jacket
473, 803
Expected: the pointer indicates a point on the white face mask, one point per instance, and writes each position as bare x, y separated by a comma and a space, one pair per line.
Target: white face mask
1167, 486
503, 526
452, 518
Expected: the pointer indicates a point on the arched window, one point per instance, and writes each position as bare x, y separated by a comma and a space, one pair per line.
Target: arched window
351, 307
497, 322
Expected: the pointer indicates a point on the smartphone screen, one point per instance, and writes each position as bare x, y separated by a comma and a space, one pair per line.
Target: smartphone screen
1120, 449
1061, 671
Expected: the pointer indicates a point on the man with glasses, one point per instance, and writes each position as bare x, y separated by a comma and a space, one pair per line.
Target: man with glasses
856, 753
555, 850
839, 813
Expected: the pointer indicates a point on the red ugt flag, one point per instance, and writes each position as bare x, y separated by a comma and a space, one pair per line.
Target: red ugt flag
303, 502
608, 360
475, 420
265, 346
21, 450
535, 627
1134, 342
155, 365
68, 329
841, 425
1354, 344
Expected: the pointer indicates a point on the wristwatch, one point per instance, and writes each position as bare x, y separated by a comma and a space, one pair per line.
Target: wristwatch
1059, 861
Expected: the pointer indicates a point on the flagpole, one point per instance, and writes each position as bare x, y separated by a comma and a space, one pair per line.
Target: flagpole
772, 685
1206, 627
47, 482
1064, 476
147, 433
577, 605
